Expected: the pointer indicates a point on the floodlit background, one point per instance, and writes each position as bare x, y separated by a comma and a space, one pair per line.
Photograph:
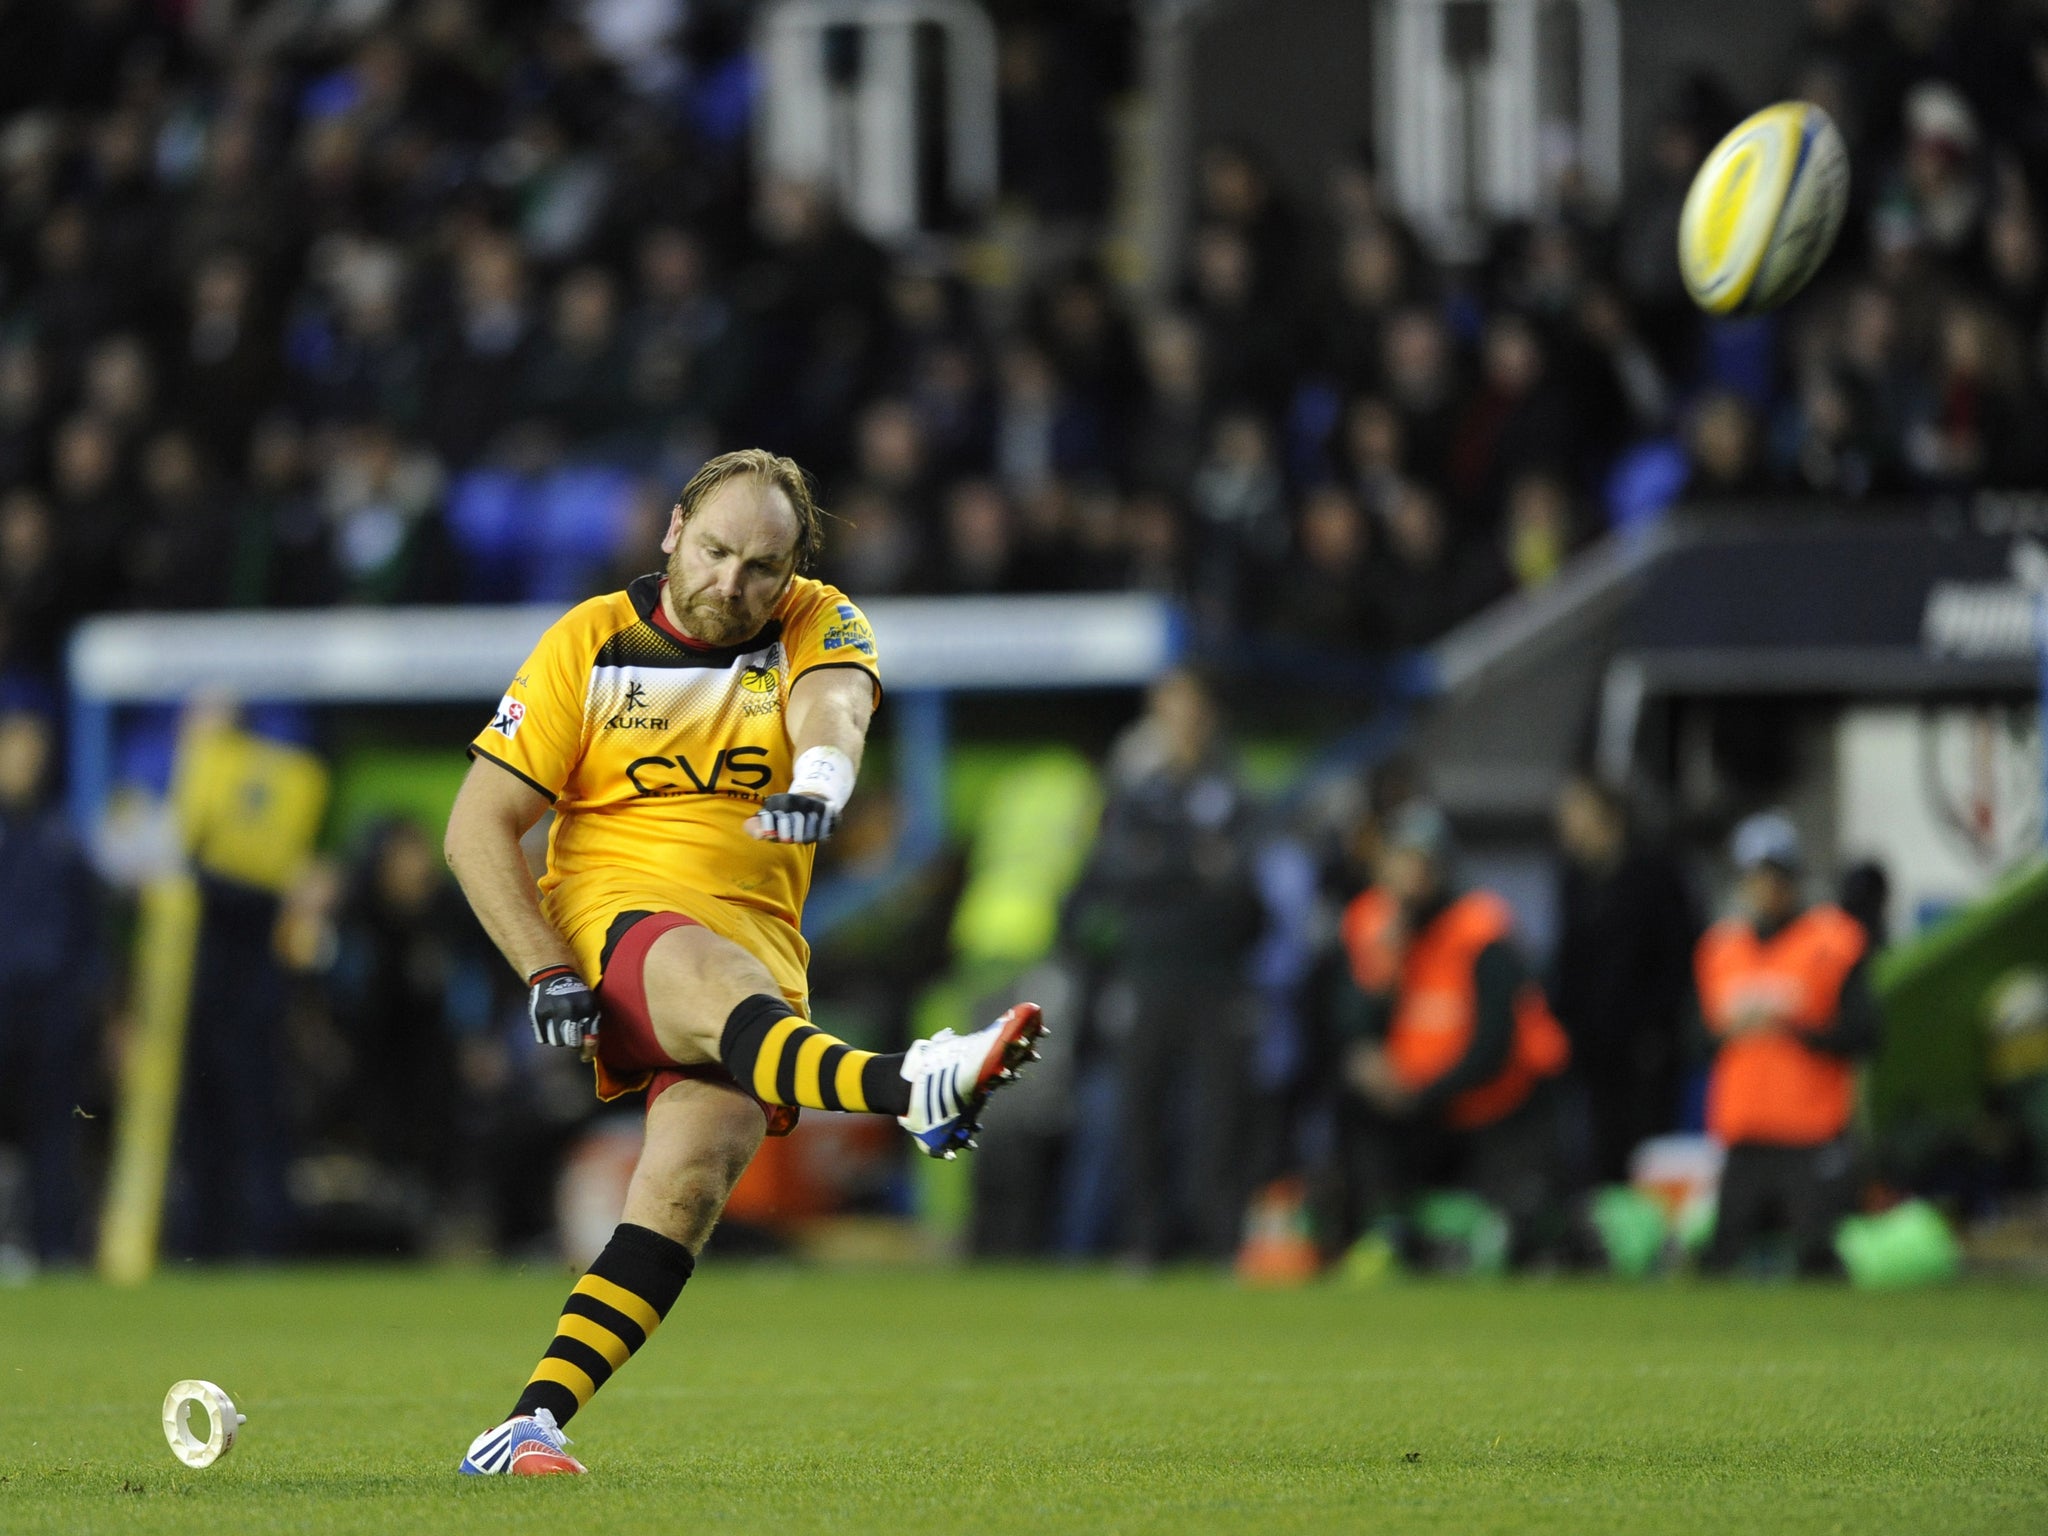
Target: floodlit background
1333, 350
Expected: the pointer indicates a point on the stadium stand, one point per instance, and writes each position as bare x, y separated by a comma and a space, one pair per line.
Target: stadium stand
383, 305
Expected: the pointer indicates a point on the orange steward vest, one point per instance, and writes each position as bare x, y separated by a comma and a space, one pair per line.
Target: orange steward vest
1436, 1002
1771, 1087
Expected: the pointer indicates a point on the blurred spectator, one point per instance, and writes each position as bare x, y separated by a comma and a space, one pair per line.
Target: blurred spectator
1621, 390
37, 599
1170, 430
578, 374
1852, 410
1865, 893
1371, 283
1648, 234
412, 975
1934, 202
175, 557
1240, 517
1042, 433
1247, 345
1335, 600
1166, 902
1431, 583
380, 496
1053, 99
226, 372
687, 363
1090, 345
283, 550
1235, 192
50, 949
1784, 994
876, 548
1621, 978
891, 459
979, 539
1722, 443
1974, 422
24, 408
1450, 1047
1512, 423
91, 505
481, 358
1375, 451
1420, 378
1538, 532
1155, 537
119, 387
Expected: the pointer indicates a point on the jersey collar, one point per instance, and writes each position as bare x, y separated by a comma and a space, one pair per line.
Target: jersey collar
645, 594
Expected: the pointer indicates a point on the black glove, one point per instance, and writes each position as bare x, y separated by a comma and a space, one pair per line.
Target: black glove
563, 1009
796, 819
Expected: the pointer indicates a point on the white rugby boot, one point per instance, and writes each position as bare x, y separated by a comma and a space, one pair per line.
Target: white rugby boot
531, 1445
951, 1077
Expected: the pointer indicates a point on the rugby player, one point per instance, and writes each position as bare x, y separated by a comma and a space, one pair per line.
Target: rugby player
697, 735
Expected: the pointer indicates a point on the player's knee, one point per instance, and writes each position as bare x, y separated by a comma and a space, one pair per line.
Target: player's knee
694, 982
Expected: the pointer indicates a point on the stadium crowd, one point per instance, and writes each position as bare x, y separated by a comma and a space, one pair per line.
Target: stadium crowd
306, 305
378, 303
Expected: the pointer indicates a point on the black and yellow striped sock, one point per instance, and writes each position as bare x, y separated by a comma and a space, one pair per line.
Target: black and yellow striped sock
614, 1309
784, 1059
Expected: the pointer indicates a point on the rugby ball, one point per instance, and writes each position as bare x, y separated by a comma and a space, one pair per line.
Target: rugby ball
1763, 210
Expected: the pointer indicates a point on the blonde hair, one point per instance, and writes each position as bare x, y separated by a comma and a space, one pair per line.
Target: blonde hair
784, 474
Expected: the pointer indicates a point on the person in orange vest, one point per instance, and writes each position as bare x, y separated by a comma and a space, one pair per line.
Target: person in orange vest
1452, 1047
1786, 1003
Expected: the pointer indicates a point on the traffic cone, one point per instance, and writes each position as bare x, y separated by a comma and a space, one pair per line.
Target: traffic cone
1277, 1249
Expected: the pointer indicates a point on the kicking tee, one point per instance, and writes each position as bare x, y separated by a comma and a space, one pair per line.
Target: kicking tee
656, 750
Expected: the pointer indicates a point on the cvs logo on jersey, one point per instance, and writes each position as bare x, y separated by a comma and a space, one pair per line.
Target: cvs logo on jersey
744, 768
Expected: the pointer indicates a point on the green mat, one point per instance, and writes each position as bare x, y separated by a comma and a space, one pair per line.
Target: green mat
1934, 990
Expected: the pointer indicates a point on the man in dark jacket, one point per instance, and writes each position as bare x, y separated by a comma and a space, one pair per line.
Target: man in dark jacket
49, 954
1167, 901
1622, 976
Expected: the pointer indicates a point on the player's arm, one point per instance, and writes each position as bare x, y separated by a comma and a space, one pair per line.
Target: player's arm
827, 718
493, 810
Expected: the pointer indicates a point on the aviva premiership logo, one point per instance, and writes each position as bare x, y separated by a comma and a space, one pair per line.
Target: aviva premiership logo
850, 633
760, 690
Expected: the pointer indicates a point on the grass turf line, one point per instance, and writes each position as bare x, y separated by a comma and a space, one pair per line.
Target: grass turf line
1018, 1401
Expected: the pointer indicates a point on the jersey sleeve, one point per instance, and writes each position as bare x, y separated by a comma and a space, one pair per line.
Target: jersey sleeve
537, 730
828, 631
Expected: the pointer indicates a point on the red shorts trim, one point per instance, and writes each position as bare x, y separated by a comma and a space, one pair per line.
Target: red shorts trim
626, 1045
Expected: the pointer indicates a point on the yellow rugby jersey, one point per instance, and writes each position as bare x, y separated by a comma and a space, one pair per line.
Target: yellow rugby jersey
655, 752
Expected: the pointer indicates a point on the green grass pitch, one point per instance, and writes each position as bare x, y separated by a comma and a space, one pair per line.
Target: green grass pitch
1022, 1401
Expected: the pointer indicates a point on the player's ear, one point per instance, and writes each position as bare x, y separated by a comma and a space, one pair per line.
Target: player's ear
675, 529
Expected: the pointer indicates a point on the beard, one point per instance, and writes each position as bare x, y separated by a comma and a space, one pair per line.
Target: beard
705, 617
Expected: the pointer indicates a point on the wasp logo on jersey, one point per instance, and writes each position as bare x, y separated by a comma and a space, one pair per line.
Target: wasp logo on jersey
747, 766
761, 690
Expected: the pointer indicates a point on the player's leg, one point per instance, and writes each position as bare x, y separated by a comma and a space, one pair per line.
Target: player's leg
709, 1000
699, 1138
698, 1141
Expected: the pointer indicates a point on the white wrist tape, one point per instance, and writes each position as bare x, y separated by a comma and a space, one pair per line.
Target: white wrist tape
825, 772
